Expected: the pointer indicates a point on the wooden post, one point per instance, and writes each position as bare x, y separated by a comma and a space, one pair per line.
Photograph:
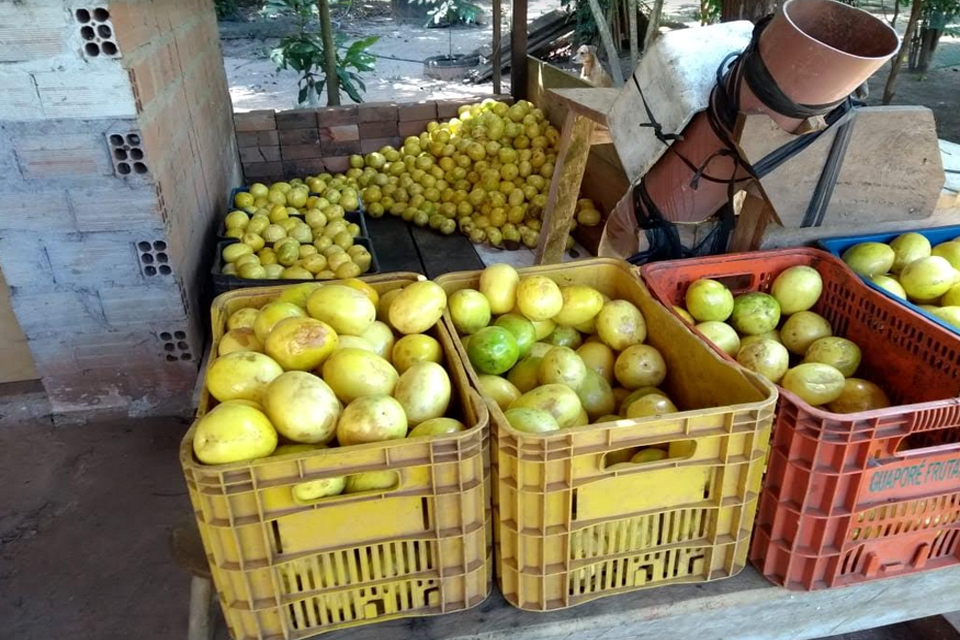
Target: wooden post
653, 25
564, 187
497, 33
632, 26
889, 90
607, 39
518, 51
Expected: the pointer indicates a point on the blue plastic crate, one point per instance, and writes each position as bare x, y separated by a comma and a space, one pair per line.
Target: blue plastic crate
937, 235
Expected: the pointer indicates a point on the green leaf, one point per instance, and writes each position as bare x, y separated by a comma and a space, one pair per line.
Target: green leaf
303, 52
347, 85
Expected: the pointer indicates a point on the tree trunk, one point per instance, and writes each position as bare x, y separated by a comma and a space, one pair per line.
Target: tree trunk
915, 11
653, 26
329, 54
929, 38
896, 13
751, 10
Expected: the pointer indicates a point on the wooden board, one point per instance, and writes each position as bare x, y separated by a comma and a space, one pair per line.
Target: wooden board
758, 228
604, 182
775, 236
592, 103
892, 170
394, 245
543, 76
564, 187
442, 254
401, 246
16, 361
745, 607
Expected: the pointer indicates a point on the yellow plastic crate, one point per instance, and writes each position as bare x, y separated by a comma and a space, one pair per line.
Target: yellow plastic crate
285, 569
569, 527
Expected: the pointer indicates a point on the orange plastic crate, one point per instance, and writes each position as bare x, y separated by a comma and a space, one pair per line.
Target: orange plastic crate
852, 497
571, 527
285, 569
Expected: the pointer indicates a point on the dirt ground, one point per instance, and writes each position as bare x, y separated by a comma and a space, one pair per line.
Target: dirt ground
255, 83
85, 521
939, 90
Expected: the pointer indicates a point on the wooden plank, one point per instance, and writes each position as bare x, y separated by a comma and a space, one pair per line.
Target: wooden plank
775, 236
892, 170
16, 361
591, 103
565, 187
497, 47
604, 182
394, 245
442, 254
745, 607
755, 215
544, 76
518, 50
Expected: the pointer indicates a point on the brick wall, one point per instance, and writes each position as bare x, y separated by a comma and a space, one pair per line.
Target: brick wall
116, 148
286, 144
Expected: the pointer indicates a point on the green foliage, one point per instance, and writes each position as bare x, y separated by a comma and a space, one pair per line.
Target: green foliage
302, 10
355, 59
448, 12
585, 29
303, 53
225, 8
948, 8
710, 11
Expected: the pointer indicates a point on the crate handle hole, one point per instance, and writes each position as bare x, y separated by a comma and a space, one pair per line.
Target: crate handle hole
277, 541
738, 283
374, 608
926, 441
337, 487
655, 454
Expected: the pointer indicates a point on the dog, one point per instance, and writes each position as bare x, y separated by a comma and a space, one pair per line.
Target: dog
592, 71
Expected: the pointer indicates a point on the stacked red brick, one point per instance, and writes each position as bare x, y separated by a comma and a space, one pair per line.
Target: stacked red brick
286, 144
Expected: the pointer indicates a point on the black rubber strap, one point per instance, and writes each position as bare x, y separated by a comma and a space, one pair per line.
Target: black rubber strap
652, 122
777, 157
663, 237
765, 88
758, 78
820, 199
667, 138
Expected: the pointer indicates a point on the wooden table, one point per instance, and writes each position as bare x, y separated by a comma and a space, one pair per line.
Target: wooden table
745, 607
586, 110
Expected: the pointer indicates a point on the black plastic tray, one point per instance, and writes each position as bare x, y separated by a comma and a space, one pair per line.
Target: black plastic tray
223, 283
